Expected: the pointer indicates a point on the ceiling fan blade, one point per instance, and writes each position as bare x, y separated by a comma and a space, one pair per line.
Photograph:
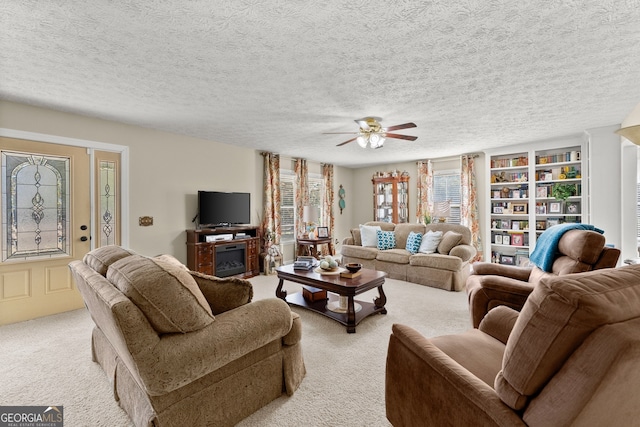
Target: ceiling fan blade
402, 126
398, 136
347, 141
340, 133
363, 124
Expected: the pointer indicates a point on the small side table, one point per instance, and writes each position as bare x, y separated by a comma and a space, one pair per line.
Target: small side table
309, 247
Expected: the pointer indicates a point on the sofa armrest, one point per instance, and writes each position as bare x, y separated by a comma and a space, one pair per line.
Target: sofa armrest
464, 252
348, 241
487, 292
489, 268
424, 386
223, 294
179, 359
498, 322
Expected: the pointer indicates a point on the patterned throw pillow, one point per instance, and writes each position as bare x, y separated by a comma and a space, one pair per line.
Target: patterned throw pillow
386, 240
413, 242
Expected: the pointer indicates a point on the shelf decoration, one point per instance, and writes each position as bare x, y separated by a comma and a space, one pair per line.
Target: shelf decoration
341, 203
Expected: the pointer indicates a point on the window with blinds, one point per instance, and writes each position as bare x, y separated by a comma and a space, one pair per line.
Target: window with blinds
446, 186
288, 205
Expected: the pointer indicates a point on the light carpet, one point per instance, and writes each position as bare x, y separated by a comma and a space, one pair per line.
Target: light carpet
47, 361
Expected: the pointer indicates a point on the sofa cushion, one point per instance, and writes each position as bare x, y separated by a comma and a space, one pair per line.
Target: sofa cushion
558, 316
386, 240
438, 261
430, 242
413, 242
396, 256
356, 236
170, 259
358, 252
403, 230
369, 235
101, 258
166, 293
448, 242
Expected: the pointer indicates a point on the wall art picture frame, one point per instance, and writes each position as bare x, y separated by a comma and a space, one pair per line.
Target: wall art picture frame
542, 191
552, 221
517, 239
572, 208
507, 260
519, 208
555, 207
323, 232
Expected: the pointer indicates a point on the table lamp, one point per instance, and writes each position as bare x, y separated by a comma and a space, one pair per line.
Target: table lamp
442, 210
310, 216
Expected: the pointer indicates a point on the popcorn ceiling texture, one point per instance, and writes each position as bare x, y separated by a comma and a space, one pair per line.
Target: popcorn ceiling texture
273, 75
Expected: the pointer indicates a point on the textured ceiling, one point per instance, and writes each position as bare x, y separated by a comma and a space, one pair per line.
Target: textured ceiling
274, 75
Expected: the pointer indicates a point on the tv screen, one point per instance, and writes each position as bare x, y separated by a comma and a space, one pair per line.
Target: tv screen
218, 208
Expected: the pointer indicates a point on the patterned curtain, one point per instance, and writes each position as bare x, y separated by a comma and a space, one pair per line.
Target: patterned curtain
327, 218
302, 193
469, 202
270, 224
425, 190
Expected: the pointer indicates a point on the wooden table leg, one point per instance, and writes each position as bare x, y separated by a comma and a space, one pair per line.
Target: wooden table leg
351, 316
279, 292
381, 300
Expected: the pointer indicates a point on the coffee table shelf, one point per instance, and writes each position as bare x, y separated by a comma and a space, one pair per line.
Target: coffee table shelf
336, 286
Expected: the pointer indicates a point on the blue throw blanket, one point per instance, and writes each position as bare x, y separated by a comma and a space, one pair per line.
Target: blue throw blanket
546, 250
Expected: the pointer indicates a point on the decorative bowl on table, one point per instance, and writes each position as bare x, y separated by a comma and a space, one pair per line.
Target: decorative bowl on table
329, 264
353, 267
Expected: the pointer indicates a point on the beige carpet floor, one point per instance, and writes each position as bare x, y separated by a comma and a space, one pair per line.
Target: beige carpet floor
47, 361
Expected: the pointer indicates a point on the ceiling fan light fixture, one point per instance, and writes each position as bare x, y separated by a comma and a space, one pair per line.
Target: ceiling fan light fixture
375, 140
362, 141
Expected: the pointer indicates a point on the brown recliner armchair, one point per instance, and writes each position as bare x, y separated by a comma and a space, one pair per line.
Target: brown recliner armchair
569, 358
491, 285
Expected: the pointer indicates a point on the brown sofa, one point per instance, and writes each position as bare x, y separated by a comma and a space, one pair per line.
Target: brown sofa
490, 285
446, 269
569, 358
182, 348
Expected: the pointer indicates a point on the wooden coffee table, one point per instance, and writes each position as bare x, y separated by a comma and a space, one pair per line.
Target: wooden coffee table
347, 288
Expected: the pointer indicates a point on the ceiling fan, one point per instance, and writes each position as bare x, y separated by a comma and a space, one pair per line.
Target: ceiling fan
373, 134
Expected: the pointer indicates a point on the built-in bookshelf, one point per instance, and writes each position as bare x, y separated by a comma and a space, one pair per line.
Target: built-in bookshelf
523, 193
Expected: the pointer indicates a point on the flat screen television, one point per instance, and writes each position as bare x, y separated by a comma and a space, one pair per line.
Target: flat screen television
216, 208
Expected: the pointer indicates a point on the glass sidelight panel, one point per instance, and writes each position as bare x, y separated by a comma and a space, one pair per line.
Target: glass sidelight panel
107, 193
35, 206
108, 202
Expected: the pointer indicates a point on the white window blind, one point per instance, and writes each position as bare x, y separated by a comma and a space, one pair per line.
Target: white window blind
446, 186
287, 202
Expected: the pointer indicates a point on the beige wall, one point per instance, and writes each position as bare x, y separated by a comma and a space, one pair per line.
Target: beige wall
364, 186
166, 171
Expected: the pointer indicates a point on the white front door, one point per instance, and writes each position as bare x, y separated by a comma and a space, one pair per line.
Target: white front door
46, 223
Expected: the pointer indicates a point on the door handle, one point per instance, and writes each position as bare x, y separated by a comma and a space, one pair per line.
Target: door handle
84, 238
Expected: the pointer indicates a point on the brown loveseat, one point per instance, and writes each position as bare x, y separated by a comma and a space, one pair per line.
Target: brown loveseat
447, 268
490, 285
182, 348
569, 358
